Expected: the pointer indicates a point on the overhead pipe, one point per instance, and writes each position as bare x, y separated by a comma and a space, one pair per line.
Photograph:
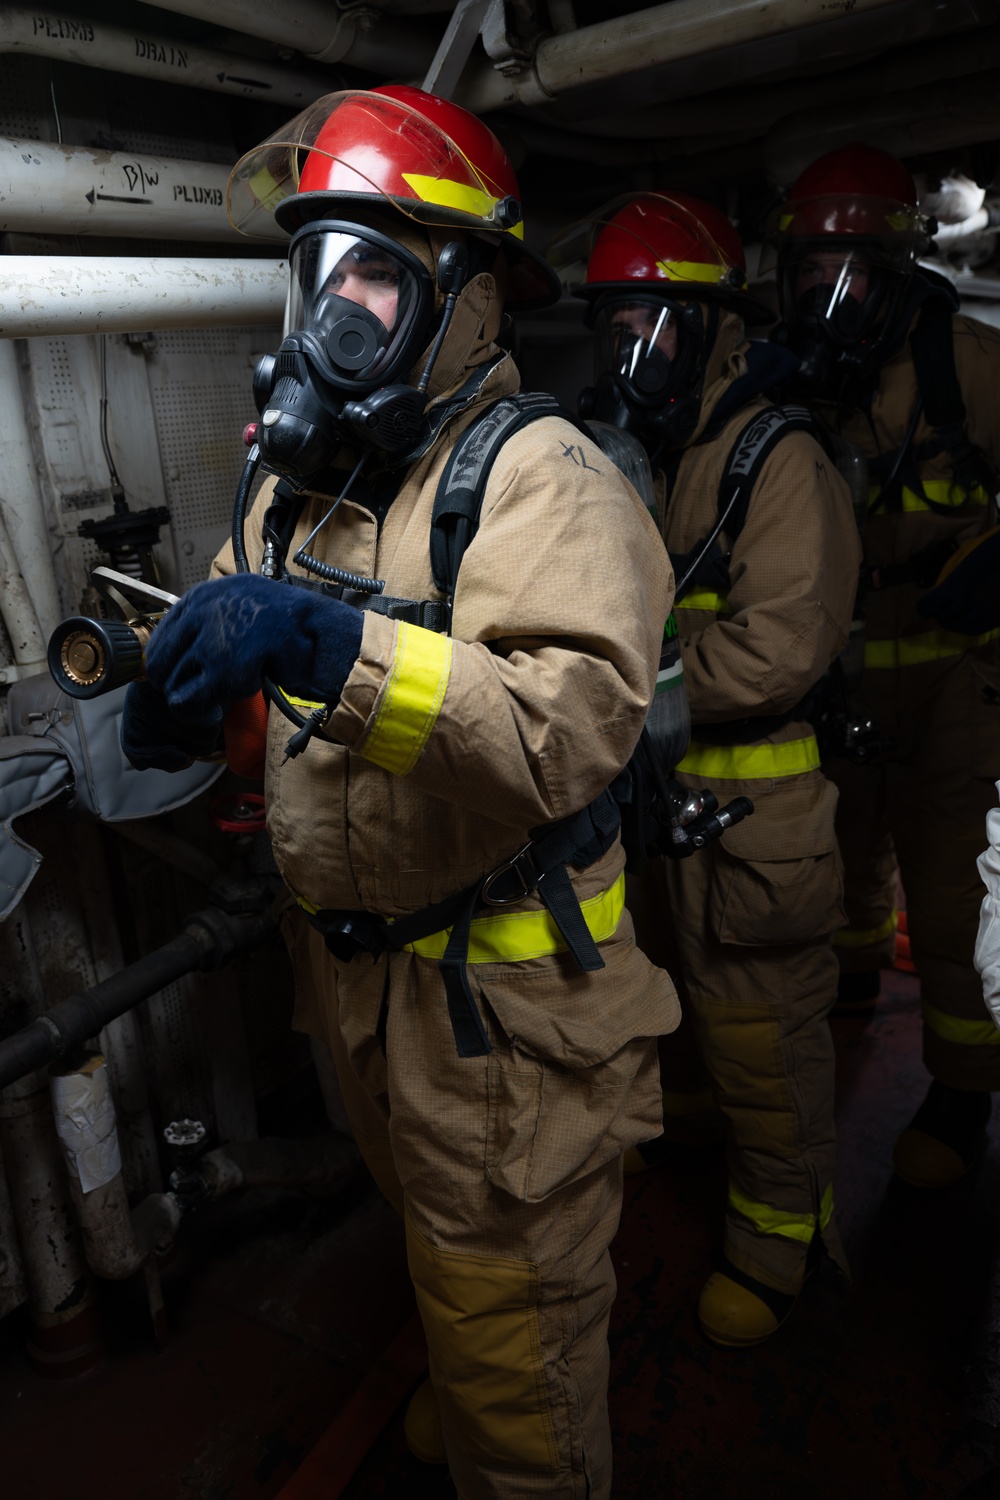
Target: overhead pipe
49, 294
750, 110
985, 220
94, 44
959, 112
50, 189
361, 35
20, 617
667, 33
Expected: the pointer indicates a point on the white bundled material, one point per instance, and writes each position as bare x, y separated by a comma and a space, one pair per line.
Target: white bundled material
988, 941
86, 1124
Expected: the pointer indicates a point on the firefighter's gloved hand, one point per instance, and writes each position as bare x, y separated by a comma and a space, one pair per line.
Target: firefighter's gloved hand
224, 637
966, 597
154, 740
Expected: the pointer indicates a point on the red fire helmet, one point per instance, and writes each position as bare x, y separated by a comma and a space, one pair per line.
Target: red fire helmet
392, 147
667, 242
855, 190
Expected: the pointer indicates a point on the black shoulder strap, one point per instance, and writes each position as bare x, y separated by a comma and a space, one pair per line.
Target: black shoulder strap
933, 344
706, 564
460, 491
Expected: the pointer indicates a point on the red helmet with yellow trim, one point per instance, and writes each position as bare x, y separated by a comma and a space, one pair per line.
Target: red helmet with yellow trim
659, 267
394, 147
676, 243
845, 244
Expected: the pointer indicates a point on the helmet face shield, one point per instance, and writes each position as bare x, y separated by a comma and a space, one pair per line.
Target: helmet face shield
361, 301
842, 291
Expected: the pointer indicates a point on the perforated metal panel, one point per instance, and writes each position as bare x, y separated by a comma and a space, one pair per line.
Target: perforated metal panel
25, 99
200, 384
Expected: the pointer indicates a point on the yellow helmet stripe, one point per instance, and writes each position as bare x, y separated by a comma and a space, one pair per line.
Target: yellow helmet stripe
460, 195
690, 270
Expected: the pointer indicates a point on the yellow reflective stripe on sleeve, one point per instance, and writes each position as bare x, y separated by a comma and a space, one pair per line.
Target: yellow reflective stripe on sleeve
514, 935
953, 1029
769, 1220
412, 699
704, 599
940, 492
301, 702
461, 195
913, 650
864, 937
752, 762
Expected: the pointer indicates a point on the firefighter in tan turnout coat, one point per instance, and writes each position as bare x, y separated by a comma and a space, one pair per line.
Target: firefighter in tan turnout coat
889, 364
495, 1041
763, 610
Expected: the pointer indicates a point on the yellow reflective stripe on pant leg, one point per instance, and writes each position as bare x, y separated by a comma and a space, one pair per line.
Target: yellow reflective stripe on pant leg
939, 492
704, 599
767, 1220
480, 1315
514, 935
954, 1029
751, 762
864, 937
412, 699
932, 645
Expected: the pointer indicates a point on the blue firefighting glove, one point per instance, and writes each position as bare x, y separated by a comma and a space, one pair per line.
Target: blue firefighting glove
153, 739
224, 637
966, 597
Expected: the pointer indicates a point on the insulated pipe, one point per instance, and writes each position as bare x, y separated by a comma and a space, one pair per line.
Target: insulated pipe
46, 294
64, 1338
94, 44
666, 33
210, 939
13, 1288
361, 35
116, 1240
21, 505
48, 189
984, 219
20, 618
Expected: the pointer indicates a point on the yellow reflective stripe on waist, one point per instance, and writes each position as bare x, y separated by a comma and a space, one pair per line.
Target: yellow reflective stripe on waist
953, 1029
411, 702
932, 645
752, 762
863, 937
940, 492
769, 1220
704, 599
513, 935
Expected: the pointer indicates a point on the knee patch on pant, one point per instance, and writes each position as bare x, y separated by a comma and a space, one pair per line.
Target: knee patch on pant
742, 1047
480, 1316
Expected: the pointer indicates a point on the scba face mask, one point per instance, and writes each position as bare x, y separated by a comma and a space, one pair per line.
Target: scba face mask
359, 311
841, 308
647, 356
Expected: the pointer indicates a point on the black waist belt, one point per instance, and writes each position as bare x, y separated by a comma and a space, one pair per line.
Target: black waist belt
539, 868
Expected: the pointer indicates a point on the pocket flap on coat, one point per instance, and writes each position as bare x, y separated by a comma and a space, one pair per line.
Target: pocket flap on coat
790, 823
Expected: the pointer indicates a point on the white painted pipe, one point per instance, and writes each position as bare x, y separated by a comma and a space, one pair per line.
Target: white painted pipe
985, 219
19, 615
21, 505
47, 294
93, 44
666, 33
48, 189
360, 36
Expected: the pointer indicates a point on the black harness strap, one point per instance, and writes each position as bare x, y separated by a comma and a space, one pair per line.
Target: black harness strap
706, 565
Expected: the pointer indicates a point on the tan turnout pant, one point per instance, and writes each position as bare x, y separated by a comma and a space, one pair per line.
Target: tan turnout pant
507, 1169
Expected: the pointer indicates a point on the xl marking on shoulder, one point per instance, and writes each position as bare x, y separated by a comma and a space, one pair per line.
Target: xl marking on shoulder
570, 450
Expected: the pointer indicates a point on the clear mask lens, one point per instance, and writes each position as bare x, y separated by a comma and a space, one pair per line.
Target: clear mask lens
637, 342
333, 272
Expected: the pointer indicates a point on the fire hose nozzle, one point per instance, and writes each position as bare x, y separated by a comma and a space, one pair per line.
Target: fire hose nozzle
89, 657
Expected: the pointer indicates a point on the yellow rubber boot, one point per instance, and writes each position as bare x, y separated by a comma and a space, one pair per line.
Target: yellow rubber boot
422, 1426
737, 1312
944, 1139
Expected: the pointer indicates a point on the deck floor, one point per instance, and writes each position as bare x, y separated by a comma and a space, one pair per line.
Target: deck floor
280, 1304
